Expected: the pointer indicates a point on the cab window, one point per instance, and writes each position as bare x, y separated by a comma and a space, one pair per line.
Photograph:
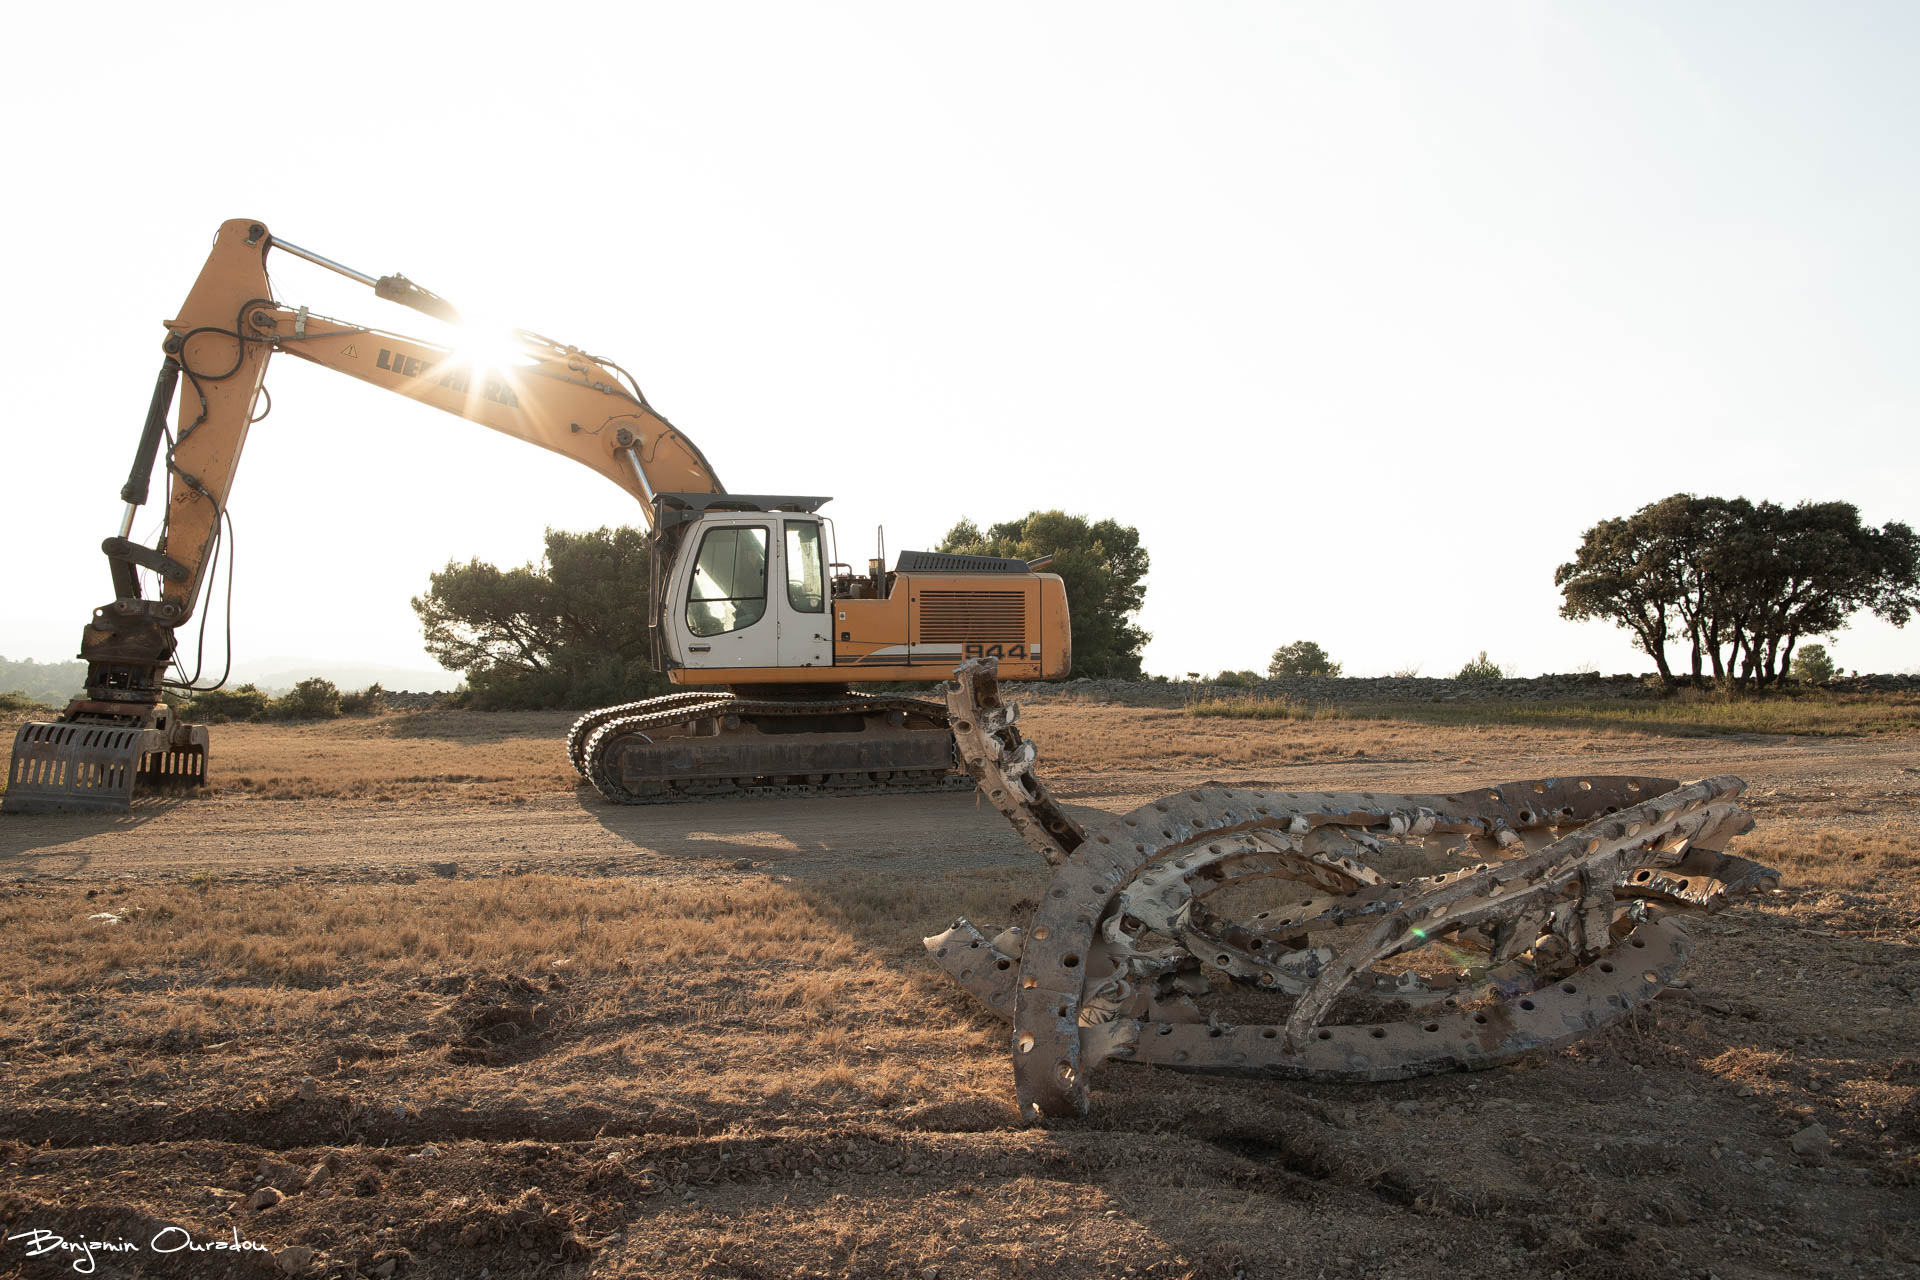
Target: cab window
806, 570
729, 589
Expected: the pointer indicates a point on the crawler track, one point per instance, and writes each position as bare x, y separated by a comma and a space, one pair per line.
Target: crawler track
598, 740
1162, 923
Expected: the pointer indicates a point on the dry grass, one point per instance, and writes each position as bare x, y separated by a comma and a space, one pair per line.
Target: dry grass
1688, 712
676, 1066
830, 985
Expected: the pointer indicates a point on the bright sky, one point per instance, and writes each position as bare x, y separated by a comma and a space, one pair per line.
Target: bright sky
1362, 314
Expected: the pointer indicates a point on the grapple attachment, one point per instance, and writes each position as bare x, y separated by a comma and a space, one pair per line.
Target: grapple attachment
97, 764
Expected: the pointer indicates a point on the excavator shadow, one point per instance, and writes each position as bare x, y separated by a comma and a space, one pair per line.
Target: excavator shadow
22, 834
833, 850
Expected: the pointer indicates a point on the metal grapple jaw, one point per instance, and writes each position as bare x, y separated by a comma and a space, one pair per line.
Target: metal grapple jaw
87, 760
120, 738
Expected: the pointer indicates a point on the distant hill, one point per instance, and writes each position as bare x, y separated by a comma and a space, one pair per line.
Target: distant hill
279, 674
55, 682
51, 682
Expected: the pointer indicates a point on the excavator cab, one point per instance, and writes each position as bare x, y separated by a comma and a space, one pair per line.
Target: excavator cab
740, 588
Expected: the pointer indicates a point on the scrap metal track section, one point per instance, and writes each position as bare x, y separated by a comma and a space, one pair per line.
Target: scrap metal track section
698, 746
1168, 932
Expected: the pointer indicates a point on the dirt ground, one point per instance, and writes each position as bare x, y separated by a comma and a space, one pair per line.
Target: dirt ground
396, 998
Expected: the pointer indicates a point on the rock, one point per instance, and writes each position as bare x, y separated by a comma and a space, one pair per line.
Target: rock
264, 1198
743, 864
445, 870
308, 1090
295, 1259
1812, 1144
279, 1175
317, 1177
427, 1152
1407, 1108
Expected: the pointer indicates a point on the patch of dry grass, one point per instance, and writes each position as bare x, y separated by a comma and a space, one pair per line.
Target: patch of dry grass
1689, 712
800, 991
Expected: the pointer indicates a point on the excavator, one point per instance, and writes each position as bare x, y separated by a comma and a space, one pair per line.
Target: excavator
750, 613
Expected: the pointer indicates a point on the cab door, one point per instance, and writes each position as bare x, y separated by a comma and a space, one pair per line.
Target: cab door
725, 619
806, 623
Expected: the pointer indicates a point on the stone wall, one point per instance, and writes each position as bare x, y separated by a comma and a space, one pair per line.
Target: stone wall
1320, 689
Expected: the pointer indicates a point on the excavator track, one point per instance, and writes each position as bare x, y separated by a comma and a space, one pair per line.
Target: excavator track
722, 746
584, 727
1243, 931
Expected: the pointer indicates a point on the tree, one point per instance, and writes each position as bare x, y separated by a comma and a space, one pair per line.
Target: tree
1301, 658
1812, 665
1103, 566
1623, 572
1749, 579
568, 632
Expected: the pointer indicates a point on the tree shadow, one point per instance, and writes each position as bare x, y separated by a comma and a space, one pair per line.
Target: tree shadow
481, 727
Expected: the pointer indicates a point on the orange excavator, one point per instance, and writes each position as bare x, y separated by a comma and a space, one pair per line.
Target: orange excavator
749, 610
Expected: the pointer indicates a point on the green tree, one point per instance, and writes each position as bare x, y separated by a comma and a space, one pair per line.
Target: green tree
1104, 568
1812, 665
1744, 581
1301, 658
568, 632
1624, 573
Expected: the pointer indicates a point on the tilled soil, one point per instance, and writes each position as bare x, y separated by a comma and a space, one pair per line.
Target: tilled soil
452, 1023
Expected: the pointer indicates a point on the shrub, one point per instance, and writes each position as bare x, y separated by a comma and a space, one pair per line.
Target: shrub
1813, 665
217, 706
18, 701
1481, 668
1302, 658
1237, 679
574, 681
369, 701
312, 699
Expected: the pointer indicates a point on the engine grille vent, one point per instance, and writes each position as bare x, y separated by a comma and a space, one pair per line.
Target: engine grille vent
993, 617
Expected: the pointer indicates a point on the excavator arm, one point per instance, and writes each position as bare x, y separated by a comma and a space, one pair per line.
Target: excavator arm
215, 360
529, 387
